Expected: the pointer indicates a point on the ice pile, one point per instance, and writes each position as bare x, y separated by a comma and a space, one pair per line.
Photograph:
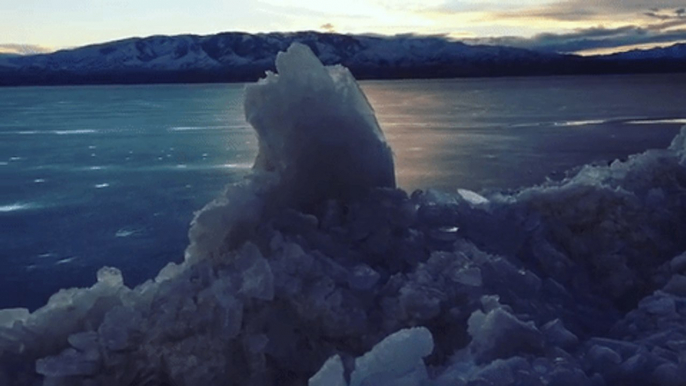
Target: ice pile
577, 282
318, 139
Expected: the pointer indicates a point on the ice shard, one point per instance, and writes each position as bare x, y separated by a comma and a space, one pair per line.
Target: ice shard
316, 130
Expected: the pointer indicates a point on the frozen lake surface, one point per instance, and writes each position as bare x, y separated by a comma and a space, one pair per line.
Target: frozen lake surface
111, 175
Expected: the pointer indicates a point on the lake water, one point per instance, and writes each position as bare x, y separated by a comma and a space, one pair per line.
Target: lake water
111, 175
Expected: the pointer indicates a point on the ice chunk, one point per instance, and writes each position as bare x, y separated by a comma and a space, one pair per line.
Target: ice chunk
669, 374
117, 330
86, 342
562, 376
470, 276
228, 221
363, 277
556, 333
316, 130
11, 315
395, 361
676, 285
499, 334
258, 279
679, 143
492, 302
603, 358
624, 349
658, 305
678, 264
419, 302
256, 343
500, 372
69, 362
472, 197
110, 276
331, 374
230, 310
169, 271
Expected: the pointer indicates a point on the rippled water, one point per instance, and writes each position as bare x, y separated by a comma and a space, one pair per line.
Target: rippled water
111, 175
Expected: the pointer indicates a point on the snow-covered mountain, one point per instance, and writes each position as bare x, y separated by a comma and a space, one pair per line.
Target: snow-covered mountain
244, 57
674, 52
235, 56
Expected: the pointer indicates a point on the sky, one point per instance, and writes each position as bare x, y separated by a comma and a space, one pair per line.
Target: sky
582, 26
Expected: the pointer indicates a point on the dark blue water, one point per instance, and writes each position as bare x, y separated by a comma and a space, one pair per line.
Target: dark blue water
96, 176
111, 175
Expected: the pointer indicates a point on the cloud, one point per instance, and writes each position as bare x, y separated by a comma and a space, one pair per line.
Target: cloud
630, 24
595, 38
23, 49
580, 10
657, 15
328, 27
679, 13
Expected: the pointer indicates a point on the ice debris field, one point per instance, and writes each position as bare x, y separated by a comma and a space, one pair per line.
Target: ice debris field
317, 270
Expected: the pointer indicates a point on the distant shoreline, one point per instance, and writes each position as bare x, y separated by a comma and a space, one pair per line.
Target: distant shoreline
240, 57
136, 81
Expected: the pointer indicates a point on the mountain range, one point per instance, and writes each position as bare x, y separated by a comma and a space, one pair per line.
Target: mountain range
239, 57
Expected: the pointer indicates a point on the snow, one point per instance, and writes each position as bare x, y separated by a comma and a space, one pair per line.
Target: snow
288, 281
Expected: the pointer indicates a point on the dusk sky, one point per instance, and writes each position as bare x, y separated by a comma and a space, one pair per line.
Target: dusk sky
554, 25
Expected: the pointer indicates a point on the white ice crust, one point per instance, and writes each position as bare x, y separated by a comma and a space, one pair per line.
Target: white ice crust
576, 282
